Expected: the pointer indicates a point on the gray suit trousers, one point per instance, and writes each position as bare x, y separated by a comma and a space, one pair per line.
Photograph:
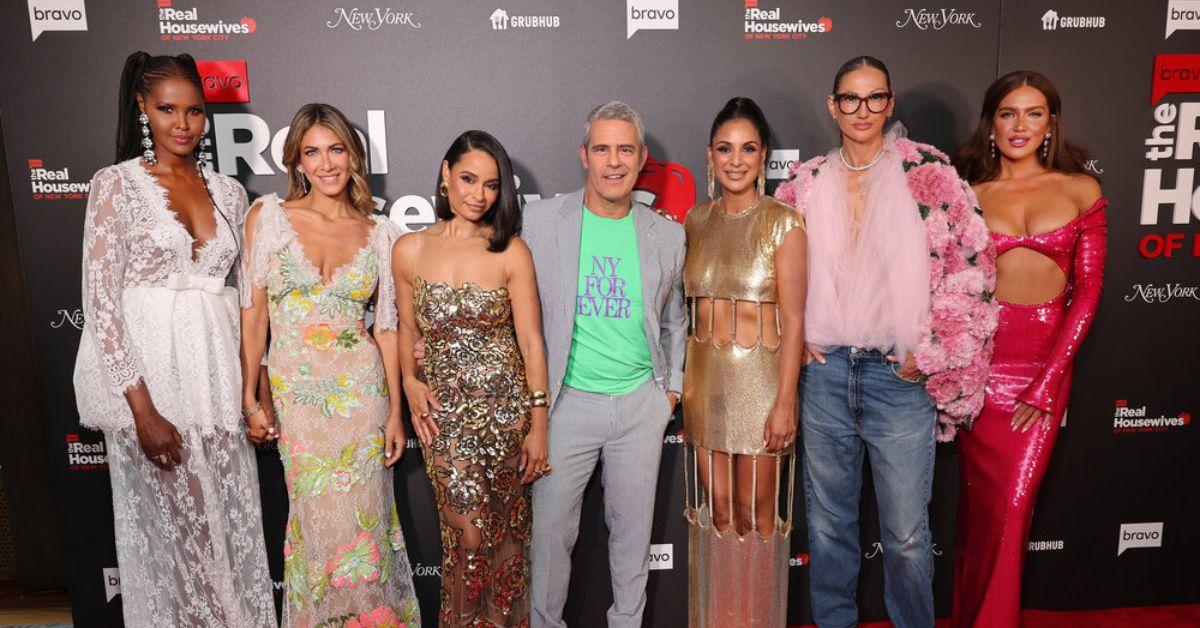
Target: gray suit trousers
626, 431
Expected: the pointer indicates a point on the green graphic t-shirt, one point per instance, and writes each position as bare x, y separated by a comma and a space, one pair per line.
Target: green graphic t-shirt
609, 353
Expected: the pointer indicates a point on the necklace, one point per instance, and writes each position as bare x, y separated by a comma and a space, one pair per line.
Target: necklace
842, 156
742, 211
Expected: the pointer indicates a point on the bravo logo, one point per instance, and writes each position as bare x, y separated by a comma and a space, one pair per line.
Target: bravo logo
662, 556
1139, 535
49, 184
56, 15
224, 81
1182, 15
112, 583
666, 185
781, 161
651, 15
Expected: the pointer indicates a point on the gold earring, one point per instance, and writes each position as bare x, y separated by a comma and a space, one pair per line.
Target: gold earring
444, 189
712, 184
762, 182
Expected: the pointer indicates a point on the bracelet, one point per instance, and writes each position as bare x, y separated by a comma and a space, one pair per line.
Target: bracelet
249, 412
539, 399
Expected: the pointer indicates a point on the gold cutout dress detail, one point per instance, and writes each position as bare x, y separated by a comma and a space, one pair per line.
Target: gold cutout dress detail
475, 369
728, 393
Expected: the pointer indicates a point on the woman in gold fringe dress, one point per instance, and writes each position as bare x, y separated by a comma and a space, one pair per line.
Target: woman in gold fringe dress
745, 281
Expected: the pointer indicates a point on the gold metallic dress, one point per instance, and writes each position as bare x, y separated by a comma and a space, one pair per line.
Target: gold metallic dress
475, 369
728, 392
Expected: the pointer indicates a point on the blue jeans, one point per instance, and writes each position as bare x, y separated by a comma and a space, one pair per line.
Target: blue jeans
856, 402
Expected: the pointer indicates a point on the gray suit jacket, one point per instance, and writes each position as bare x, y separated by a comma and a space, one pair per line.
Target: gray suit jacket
552, 231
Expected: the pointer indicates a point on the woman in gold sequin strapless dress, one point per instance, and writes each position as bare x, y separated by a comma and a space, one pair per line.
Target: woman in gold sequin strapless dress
745, 280
467, 290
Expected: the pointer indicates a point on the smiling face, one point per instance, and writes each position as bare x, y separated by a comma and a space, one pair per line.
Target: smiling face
176, 111
1021, 122
325, 160
612, 157
866, 88
472, 184
737, 156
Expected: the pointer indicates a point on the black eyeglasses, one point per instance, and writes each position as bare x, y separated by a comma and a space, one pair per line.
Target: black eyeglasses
849, 103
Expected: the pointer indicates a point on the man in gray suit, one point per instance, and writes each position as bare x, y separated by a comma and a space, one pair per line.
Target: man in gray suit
610, 277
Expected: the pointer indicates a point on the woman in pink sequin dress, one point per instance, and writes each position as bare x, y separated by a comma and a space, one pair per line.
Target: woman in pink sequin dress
1048, 222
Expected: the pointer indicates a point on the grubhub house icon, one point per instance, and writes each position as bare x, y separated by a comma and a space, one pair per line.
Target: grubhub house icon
499, 20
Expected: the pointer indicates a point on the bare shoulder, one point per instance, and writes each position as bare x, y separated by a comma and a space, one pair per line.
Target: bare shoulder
517, 254
1084, 189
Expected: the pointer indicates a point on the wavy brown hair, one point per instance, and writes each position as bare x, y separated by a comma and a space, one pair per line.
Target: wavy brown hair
328, 116
977, 162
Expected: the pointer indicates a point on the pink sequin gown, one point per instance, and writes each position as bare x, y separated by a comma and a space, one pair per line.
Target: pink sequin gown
1001, 469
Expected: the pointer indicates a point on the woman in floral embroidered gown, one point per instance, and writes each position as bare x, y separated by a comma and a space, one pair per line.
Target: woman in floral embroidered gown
157, 365
466, 288
312, 265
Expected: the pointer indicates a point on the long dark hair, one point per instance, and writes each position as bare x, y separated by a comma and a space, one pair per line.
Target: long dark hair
862, 61
330, 117
504, 216
141, 72
977, 162
742, 108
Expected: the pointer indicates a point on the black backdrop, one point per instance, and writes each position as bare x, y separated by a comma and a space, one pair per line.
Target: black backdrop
414, 73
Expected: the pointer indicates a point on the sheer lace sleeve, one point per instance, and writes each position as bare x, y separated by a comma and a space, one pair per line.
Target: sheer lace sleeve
105, 238
270, 235
385, 295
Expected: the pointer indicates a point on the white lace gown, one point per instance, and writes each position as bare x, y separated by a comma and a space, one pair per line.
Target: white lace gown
189, 541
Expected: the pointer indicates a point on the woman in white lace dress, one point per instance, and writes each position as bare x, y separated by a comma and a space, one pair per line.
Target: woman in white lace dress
157, 368
313, 264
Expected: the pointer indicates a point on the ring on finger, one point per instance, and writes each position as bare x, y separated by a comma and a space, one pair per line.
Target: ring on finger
424, 415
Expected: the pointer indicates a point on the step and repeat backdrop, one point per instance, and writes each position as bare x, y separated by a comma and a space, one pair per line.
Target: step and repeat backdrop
1117, 518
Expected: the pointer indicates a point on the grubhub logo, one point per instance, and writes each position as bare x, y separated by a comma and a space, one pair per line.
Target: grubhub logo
761, 24
662, 556
937, 19
56, 15
1045, 546
1139, 535
651, 15
666, 185
85, 456
112, 583
55, 184
185, 24
224, 81
1051, 21
1128, 419
501, 21
799, 560
1182, 15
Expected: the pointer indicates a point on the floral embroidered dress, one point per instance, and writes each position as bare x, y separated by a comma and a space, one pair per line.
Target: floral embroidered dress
344, 553
189, 540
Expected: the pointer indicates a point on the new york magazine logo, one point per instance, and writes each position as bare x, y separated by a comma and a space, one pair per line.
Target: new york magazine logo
1139, 535
55, 184
766, 24
56, 15
86, 454
1128, 419
502, 21
651, 15
937, 19
1052, 21
188, 24
358, 19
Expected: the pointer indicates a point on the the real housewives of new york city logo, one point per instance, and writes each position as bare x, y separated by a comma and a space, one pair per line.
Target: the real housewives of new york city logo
187, 24
1169, 195
1129, 419
502, 21
651, 15
85, 456
1139, 535
55, 184
764, 24
56, 15
1051, 21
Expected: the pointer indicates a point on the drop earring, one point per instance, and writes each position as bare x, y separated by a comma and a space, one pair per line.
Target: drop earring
762, 183
712, 184
304, 185
1046, 148
147, 143
992, 145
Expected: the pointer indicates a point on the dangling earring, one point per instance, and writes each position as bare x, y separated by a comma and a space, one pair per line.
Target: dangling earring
304, 185
201, 163
762, 182
1046, 147
712, 184
992, 145
147, 143
444, 190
